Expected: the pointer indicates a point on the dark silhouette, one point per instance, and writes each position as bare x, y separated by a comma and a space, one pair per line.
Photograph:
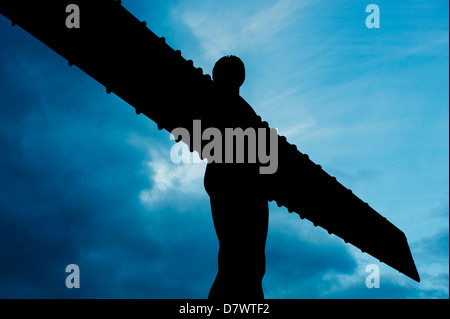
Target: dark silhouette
122, 54
240, 211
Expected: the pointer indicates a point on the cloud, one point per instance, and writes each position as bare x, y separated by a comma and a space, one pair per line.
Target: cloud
86, 181
168, 179
216, 27
70, 184
301, 256
432, 257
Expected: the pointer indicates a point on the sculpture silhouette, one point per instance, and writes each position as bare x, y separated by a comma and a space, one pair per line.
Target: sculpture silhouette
121, 53
239, 209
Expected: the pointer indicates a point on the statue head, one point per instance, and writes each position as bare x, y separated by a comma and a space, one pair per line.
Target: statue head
229, 73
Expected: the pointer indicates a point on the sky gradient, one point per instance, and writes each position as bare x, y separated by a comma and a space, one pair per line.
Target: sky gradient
85, 181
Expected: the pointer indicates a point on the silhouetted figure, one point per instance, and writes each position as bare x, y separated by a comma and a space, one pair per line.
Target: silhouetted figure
240, 212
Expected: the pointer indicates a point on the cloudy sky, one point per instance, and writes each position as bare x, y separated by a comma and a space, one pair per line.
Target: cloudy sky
85, 181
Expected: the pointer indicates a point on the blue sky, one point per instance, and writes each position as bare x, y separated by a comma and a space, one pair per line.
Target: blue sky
84, 180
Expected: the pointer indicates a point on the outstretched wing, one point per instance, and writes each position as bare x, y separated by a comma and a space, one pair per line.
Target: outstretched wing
121, 53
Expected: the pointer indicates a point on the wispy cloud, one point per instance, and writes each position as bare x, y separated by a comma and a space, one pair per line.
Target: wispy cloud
233, 29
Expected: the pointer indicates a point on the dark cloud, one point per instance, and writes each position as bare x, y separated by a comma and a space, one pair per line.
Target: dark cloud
432, 258
70, 181
70, 185
69, 178
298, 262
435, 248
